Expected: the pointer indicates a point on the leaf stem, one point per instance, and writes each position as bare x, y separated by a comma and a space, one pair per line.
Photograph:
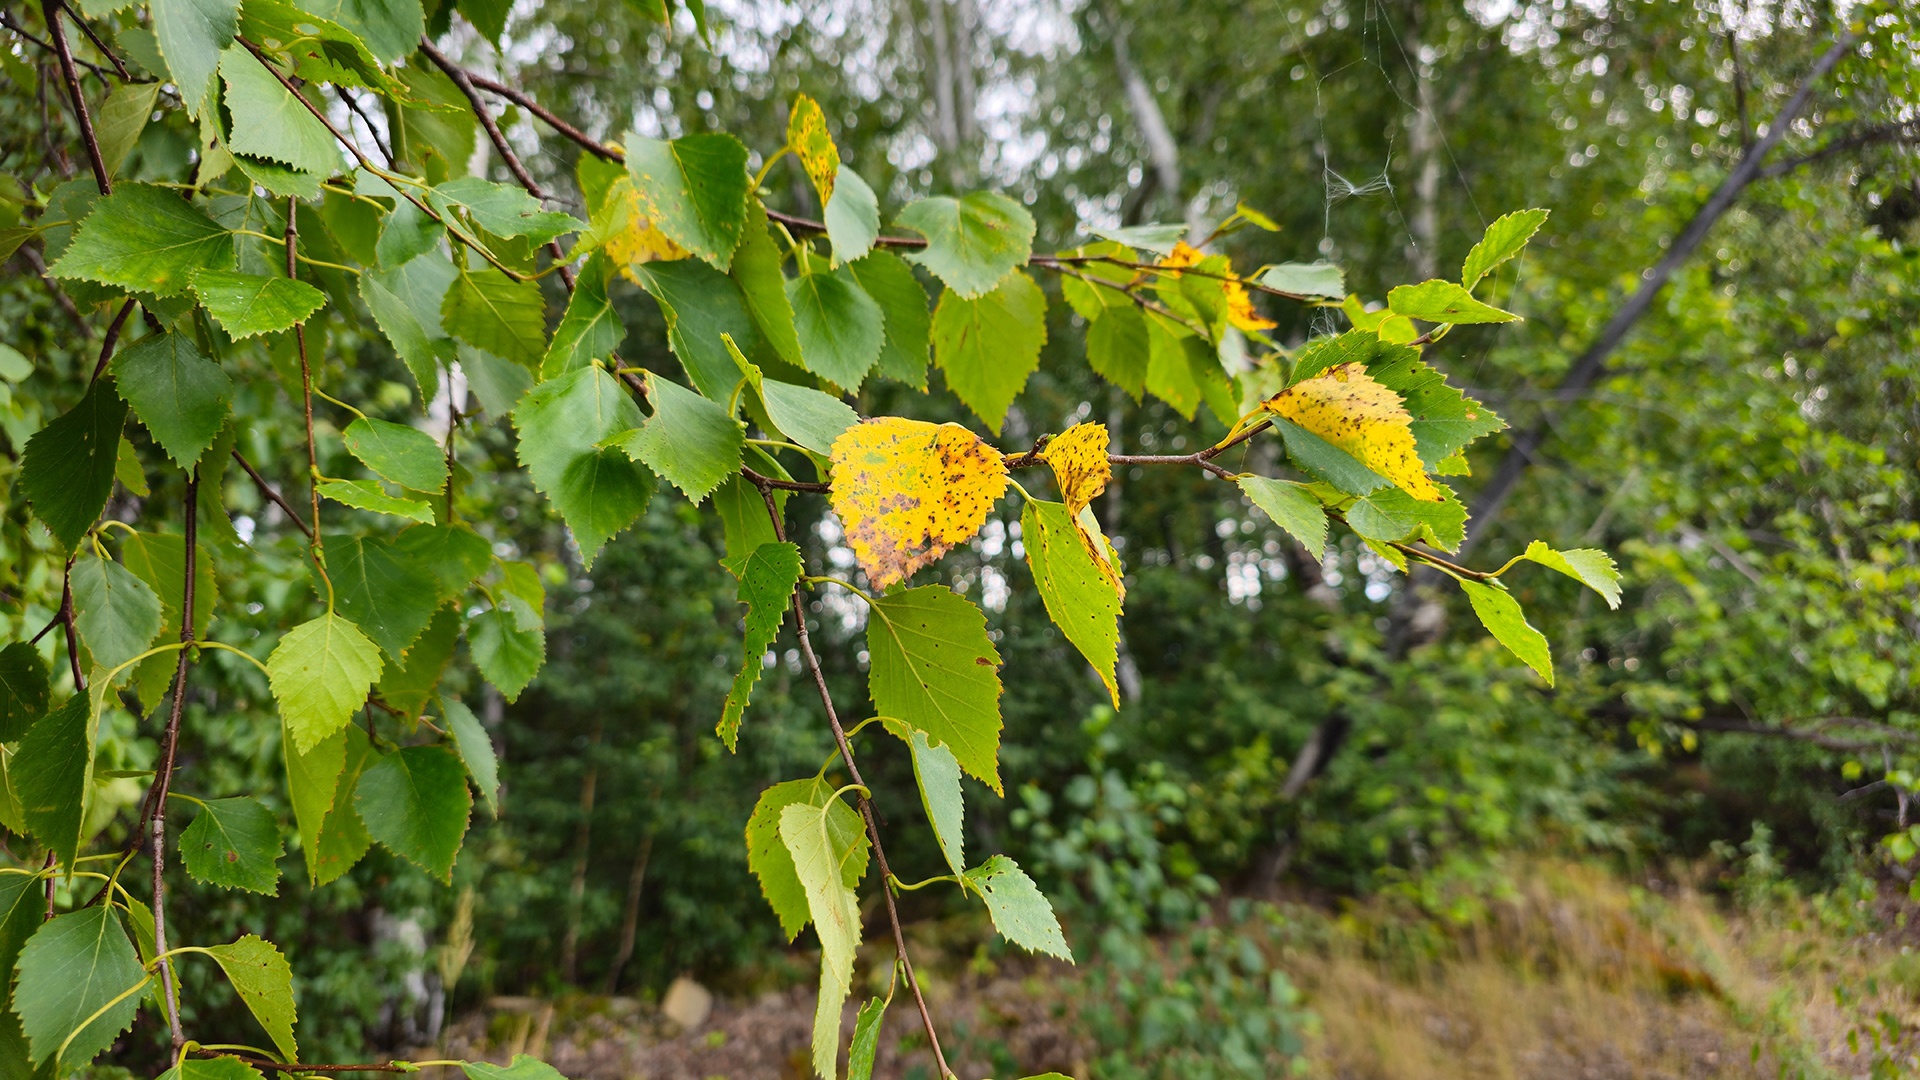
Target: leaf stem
100, 1012
812, 579
252, 659
760, 178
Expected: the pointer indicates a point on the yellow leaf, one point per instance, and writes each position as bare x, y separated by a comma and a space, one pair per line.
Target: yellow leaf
811, 142
631, 238
1184, 254
1078, 457
1240, 309
1347, 408
907, 491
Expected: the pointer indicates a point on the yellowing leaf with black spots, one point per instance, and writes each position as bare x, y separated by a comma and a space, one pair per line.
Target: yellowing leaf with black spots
907, 491
1240, 310
627, 235
811, 142
1078, 457
1348, 409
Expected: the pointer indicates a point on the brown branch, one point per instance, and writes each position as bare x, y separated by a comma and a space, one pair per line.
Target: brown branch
353, 106
1593, 362
865, 803
308, 1067
306, 380
113, 336
582, 139
273, 496
465, 83
1884, 133
66, 621
6, 20
170, 745
72, 79
101, 46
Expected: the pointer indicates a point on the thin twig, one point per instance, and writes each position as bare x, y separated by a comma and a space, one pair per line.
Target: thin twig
367, 163
66, 621
6, 20
273, 496
582, 139
462, 80
865, 803
170, 745
307, 1067
353, 106
306, 382
113, 336
125, 75
72, 78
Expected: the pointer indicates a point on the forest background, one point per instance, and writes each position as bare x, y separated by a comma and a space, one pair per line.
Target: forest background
1334, 734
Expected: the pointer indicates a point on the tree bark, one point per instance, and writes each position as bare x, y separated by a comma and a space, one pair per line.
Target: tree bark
582, 848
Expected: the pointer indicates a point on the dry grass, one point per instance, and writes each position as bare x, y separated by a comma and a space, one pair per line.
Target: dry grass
1575, 973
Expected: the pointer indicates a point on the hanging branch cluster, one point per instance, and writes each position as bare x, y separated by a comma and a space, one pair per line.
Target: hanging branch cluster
777, 321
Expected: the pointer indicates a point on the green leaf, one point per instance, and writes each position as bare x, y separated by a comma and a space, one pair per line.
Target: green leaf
1118, 349
13, 366
320, 787
590, 330
23, 690
505, 210
807, 416
320, 50
1177, 365
223, 1067
909, 325
690, 441
123, 116
435, 132
1293, 508
972, 242
235, 844
507, 656
320, 674
476, 751
455, 554
772, 863
702, 306
1444, 419
70, 969
263, 979
127, 470
117, 615
158, 559
22, 901
400, 453
1325, 461
808, 835
1443, 302
1588, 566
281, 180
248, 305
767, 576
522, 1068
498, 385
1319, 279
694, 189
395, 298
1021, 914
489, 310
561, 421
269, 121
416, 804
382, 588
937, 773
853, 217
1504, 239
490, 18
67, 471
53, 776
840, 327
866, 1039
1500, 613
391, 28
408, 686
521, 594
181, 396
1155, 237
756, 270
988, 346
368, 495
934, 668
1079, 598
145, 239
1392, 514
191, 34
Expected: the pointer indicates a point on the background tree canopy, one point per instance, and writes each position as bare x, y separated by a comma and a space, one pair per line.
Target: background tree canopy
1094, 381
